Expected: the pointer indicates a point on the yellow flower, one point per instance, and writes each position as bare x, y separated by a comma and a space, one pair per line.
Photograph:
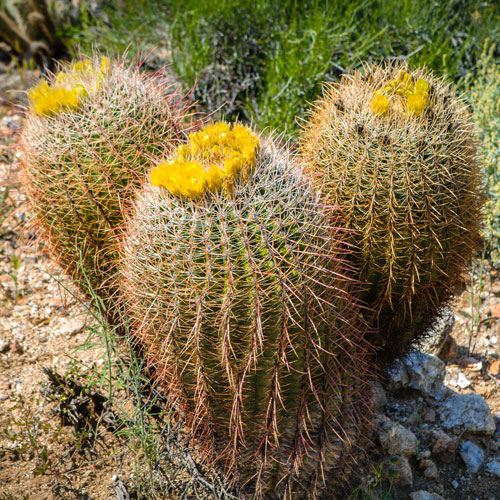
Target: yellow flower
421, 86
105, 65
47, 100
380, 104
68, 88
404, 78
417, 103
416, 94
213, 159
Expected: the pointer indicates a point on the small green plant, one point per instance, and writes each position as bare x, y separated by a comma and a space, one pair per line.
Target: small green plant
375, 486
30, 432
15, 263
473, 316
397, 151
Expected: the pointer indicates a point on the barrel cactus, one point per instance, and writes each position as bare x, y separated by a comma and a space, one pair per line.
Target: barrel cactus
396, 150
89, 132
234, 274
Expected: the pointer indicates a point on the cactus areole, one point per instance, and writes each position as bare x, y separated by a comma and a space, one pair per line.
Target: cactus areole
395, 149
240, 302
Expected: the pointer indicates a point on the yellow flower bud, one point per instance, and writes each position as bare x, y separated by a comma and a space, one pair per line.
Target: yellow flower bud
380, 104
416, 104
421, 86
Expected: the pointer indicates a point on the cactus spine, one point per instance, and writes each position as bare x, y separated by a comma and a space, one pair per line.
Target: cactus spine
240, 303
88, 135
397, 152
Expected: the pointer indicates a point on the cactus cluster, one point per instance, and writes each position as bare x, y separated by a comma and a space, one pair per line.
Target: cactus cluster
396, 150
90, 133
241, 305
236, 261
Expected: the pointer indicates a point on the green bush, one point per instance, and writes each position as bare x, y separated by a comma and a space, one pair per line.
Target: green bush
484, 92
263, 61
268, 59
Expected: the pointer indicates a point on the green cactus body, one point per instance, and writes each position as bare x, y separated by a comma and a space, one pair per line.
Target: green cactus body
81, 164
406, 174
242, 308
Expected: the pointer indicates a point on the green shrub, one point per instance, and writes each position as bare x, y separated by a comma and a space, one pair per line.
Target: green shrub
484, 92
263, 61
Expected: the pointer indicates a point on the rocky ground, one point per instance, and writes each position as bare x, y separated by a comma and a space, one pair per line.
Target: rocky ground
437, 432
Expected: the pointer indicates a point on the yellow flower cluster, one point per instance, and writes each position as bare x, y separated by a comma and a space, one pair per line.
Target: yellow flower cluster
416, 94
213, 159
68, 88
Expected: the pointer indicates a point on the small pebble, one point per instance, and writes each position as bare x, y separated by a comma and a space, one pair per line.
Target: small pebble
17, 347
4, 346
472, 456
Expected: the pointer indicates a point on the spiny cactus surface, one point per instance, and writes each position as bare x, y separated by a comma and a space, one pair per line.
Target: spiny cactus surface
241, 305
396, 150
89, 133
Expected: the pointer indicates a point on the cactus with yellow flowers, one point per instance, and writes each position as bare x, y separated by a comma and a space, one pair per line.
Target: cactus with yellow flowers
396, 150
233, 272
89, 132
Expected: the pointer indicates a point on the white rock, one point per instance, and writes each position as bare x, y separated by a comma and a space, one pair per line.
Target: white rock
493, 468
467, 412
399, 440
460, 381
71, 327
472, 456
420, 371
425, 495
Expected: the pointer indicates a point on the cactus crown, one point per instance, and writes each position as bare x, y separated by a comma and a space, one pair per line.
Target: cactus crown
403, 94
214, 158
396, 150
